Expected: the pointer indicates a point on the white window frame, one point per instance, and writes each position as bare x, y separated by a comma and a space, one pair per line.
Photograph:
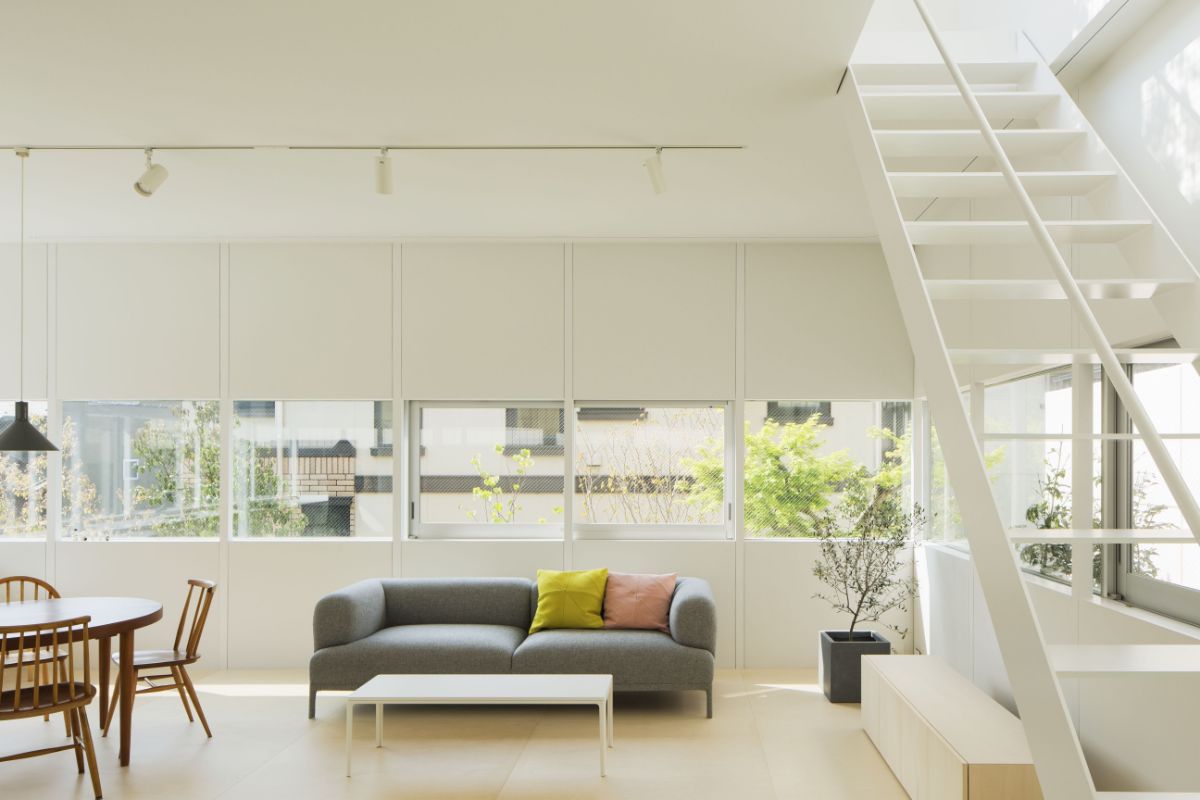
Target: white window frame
417, 529
608, 530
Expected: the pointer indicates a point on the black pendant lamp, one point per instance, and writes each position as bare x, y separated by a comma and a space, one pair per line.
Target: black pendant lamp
20, 435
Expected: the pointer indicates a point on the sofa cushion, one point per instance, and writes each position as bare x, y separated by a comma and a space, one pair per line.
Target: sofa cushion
569, 599
639, 602
457, 601
635, 659
418, 649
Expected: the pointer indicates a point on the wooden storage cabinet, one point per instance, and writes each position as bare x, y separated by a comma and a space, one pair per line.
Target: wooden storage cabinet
942, 736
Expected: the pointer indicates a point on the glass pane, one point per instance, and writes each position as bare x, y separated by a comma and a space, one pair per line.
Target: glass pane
1171, 395
1154, 507
23, 480
1038, 404
141, 468
308, 469
798, 467
945, 519
491, 465
664, 467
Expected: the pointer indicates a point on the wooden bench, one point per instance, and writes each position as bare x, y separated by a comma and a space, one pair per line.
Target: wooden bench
942, 736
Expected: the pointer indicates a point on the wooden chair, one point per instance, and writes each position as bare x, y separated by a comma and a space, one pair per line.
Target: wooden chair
20, 697
18, 589
175, 661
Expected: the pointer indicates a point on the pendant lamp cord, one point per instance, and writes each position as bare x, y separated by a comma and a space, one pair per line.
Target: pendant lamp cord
21, 154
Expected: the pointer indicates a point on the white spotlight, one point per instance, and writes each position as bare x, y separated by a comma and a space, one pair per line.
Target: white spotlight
383, 172
654, 168
152, 178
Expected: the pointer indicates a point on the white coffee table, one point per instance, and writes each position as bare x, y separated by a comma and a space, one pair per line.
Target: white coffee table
510, 690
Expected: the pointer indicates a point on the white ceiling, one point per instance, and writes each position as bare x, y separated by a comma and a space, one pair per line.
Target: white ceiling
759, 73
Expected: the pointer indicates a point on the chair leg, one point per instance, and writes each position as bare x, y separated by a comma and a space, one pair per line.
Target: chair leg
46, 682
76, 738
112, 708
187, 680
67, 723
90, 750
182, 693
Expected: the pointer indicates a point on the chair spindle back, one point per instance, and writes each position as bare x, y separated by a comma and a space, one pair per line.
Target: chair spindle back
203, 590
19, 588
22, 690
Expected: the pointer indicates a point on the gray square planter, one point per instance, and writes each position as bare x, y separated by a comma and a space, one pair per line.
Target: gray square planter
841, 669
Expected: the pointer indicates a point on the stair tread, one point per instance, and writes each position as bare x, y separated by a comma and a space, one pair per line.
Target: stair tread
949, 105
1095, 231
979, 184
1047, 289
1101, 536
966, 143
1084, 660
1066, 355
987, 72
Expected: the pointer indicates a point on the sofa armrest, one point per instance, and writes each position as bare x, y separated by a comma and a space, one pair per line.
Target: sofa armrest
348, 614
693, 617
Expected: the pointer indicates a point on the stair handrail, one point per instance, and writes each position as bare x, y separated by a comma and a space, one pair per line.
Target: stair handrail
1172, 477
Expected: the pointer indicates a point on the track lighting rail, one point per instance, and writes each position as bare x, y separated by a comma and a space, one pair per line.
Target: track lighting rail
372, 147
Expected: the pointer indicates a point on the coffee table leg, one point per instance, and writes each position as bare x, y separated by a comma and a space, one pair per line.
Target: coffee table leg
379, 724
610, 716
349, 734
603, 714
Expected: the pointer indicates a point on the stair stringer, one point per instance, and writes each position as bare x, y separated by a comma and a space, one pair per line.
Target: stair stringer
1058, 757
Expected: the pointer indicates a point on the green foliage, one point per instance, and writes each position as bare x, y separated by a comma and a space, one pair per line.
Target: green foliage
23, 478
500, 506
183, 466
862, 538
789, 483
1052, 511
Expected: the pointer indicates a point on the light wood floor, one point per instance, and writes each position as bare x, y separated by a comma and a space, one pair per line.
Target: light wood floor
773, 735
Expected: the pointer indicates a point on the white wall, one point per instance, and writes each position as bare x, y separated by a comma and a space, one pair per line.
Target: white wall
647, 320
1144, 102
1124, 753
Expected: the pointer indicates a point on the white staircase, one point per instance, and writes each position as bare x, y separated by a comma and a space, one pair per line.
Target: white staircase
1004, 140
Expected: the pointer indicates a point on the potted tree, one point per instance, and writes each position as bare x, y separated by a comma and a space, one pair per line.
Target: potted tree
862, 539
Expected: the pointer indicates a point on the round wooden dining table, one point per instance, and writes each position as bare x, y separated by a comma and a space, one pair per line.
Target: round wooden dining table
111, 616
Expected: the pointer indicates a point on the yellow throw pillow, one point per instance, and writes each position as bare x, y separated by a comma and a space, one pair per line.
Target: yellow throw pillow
569, 599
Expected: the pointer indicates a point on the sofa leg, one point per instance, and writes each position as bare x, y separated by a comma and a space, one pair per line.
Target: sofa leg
708, 694
312, 702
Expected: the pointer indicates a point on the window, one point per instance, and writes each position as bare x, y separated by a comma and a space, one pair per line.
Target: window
311, 469
141, 469
488, 470
661, 472
538, 430
786, 411
384, 431
23, 480
799, 469
1161, 577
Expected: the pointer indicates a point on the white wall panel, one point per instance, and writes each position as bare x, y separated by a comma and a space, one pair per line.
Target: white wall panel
432, 558
155, 570
35, 321
783, 619
654, 321
713, 561
822, 322
310, 321
274, 586
23, 557
138, 321
482, 321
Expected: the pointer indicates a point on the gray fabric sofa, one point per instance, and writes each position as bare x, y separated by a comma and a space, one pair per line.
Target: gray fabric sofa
479, 625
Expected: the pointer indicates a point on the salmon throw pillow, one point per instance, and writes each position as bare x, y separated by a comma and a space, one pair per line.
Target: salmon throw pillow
638, 601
